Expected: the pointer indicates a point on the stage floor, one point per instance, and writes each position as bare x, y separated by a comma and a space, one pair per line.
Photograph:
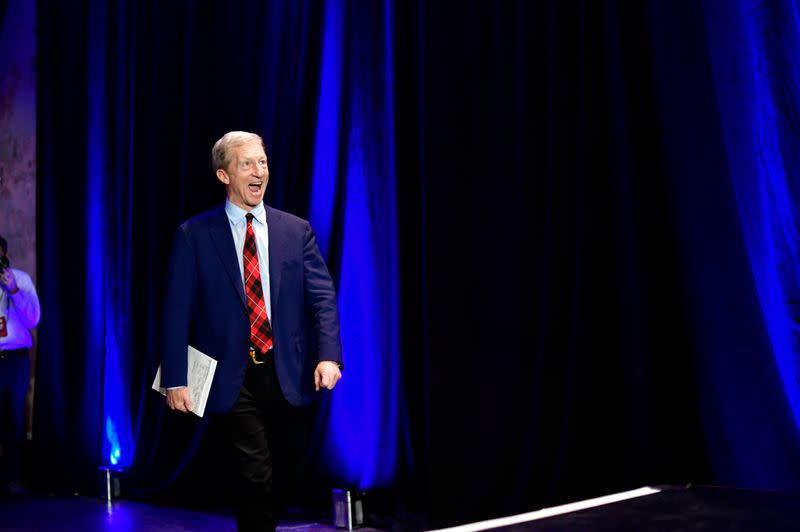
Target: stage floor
666, 509
88, 514
662, 509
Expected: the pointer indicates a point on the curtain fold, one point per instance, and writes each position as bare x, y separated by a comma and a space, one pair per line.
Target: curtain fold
355, 165
753, 50
759, 98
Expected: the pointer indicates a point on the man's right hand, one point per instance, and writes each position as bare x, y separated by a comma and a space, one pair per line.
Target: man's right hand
179, 399
8, 281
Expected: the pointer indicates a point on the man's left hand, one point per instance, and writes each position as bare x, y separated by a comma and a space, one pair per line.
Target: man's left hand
326, 375
9, 281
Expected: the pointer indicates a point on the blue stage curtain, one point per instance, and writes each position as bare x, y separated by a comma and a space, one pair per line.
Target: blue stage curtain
754, 50
133, 95
85, 395
563, 234
354, 165
590, 320
714, 127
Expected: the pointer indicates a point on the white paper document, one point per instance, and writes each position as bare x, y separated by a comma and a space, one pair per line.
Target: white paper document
201, 374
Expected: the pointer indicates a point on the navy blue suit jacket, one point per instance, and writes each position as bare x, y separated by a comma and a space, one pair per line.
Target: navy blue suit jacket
204, 306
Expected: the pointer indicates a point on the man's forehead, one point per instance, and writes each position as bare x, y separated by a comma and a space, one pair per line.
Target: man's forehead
251, 149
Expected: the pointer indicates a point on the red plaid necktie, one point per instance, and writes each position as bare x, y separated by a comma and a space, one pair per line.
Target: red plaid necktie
260, 329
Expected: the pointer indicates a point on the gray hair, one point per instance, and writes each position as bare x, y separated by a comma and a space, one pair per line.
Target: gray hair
221, 152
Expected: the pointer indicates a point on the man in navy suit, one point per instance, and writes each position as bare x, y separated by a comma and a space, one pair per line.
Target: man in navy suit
247, 285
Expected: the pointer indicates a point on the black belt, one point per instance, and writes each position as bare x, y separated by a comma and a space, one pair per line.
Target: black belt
9, 353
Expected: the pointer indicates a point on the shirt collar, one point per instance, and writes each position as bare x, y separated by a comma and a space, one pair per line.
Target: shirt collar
236, 214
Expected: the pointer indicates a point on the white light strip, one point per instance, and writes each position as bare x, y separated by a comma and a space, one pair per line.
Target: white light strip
550, 512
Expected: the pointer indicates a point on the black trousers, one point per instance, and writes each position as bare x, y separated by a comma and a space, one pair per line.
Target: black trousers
14, 381
269, 437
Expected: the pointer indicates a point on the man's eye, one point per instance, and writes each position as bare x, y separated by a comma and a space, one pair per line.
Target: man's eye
246, 164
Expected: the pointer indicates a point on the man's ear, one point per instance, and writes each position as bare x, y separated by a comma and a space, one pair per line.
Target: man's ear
223, 176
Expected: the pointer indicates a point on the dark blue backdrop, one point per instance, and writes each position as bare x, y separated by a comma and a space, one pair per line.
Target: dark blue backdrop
563, 235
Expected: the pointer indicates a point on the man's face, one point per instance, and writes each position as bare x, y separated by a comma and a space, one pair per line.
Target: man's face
247, 175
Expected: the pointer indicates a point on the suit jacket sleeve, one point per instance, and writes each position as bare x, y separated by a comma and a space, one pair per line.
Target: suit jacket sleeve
177, 313
321, 298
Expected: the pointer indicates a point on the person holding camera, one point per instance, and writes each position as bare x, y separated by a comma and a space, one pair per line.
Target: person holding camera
19, 313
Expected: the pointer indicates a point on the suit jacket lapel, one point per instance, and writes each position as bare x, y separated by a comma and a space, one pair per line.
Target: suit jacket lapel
220, 230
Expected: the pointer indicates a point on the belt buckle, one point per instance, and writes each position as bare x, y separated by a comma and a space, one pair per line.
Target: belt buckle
254, 358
